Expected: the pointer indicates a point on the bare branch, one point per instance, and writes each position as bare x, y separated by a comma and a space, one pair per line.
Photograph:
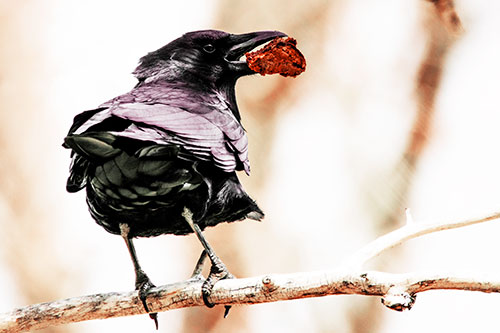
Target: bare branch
410, 230
100, 306
398, 292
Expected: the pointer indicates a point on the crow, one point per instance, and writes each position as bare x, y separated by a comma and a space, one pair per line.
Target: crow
162, 158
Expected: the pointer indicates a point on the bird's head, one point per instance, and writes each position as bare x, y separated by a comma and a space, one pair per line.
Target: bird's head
210, 56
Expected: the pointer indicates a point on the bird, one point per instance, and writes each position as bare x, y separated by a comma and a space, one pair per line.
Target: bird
162, 158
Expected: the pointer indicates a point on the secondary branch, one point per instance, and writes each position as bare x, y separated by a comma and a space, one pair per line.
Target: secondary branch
409, 231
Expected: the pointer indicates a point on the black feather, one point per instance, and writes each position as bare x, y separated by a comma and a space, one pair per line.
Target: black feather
174, 141
81, 118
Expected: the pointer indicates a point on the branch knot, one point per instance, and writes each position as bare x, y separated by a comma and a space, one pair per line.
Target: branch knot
268, 284
398, 298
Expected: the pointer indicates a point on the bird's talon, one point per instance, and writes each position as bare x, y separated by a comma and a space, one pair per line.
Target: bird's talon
226, 310
217, 272
143, 284
205, 295
154, 316
143, 294
196, 278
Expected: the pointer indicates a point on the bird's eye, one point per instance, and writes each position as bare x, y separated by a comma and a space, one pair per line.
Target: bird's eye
209, 48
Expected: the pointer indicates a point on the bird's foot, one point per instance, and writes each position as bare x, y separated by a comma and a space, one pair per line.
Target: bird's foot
143, 284
197, 276
218, 272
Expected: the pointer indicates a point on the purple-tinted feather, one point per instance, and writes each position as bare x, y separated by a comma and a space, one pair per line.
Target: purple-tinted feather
202, 124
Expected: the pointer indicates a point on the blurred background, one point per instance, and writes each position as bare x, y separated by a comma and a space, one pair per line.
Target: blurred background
399, 107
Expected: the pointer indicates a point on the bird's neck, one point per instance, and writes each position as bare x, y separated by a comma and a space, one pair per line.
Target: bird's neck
227, 90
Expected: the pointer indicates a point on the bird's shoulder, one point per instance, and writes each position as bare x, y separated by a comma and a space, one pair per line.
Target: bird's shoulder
190, 97
201, 122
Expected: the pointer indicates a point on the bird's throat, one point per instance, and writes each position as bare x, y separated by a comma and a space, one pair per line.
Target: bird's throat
227, 90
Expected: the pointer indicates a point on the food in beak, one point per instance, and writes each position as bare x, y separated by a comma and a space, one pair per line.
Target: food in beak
280, 56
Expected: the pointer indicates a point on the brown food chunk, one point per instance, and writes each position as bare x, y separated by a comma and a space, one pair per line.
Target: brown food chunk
279, 56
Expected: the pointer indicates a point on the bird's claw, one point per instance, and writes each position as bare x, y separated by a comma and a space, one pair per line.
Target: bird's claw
196, 278
143, 284
218, 272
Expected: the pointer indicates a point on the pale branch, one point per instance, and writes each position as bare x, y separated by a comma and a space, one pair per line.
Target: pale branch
398, 291
409, 231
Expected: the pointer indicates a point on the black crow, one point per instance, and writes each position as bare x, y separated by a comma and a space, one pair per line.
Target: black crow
162, 158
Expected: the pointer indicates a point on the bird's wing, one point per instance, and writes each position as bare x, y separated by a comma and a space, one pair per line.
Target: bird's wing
207, 135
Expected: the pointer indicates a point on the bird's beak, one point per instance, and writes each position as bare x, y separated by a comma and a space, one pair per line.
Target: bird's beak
241, 44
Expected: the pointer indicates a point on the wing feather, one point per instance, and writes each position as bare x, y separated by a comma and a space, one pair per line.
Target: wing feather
202, 124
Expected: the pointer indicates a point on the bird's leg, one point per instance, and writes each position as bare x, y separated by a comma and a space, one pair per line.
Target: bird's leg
199, 266
218, 271
142, 282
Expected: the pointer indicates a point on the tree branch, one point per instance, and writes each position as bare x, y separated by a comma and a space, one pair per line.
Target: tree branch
448, 15
409, 231
398, 291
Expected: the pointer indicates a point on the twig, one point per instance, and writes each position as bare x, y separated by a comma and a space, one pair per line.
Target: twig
398, 292
407, 232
